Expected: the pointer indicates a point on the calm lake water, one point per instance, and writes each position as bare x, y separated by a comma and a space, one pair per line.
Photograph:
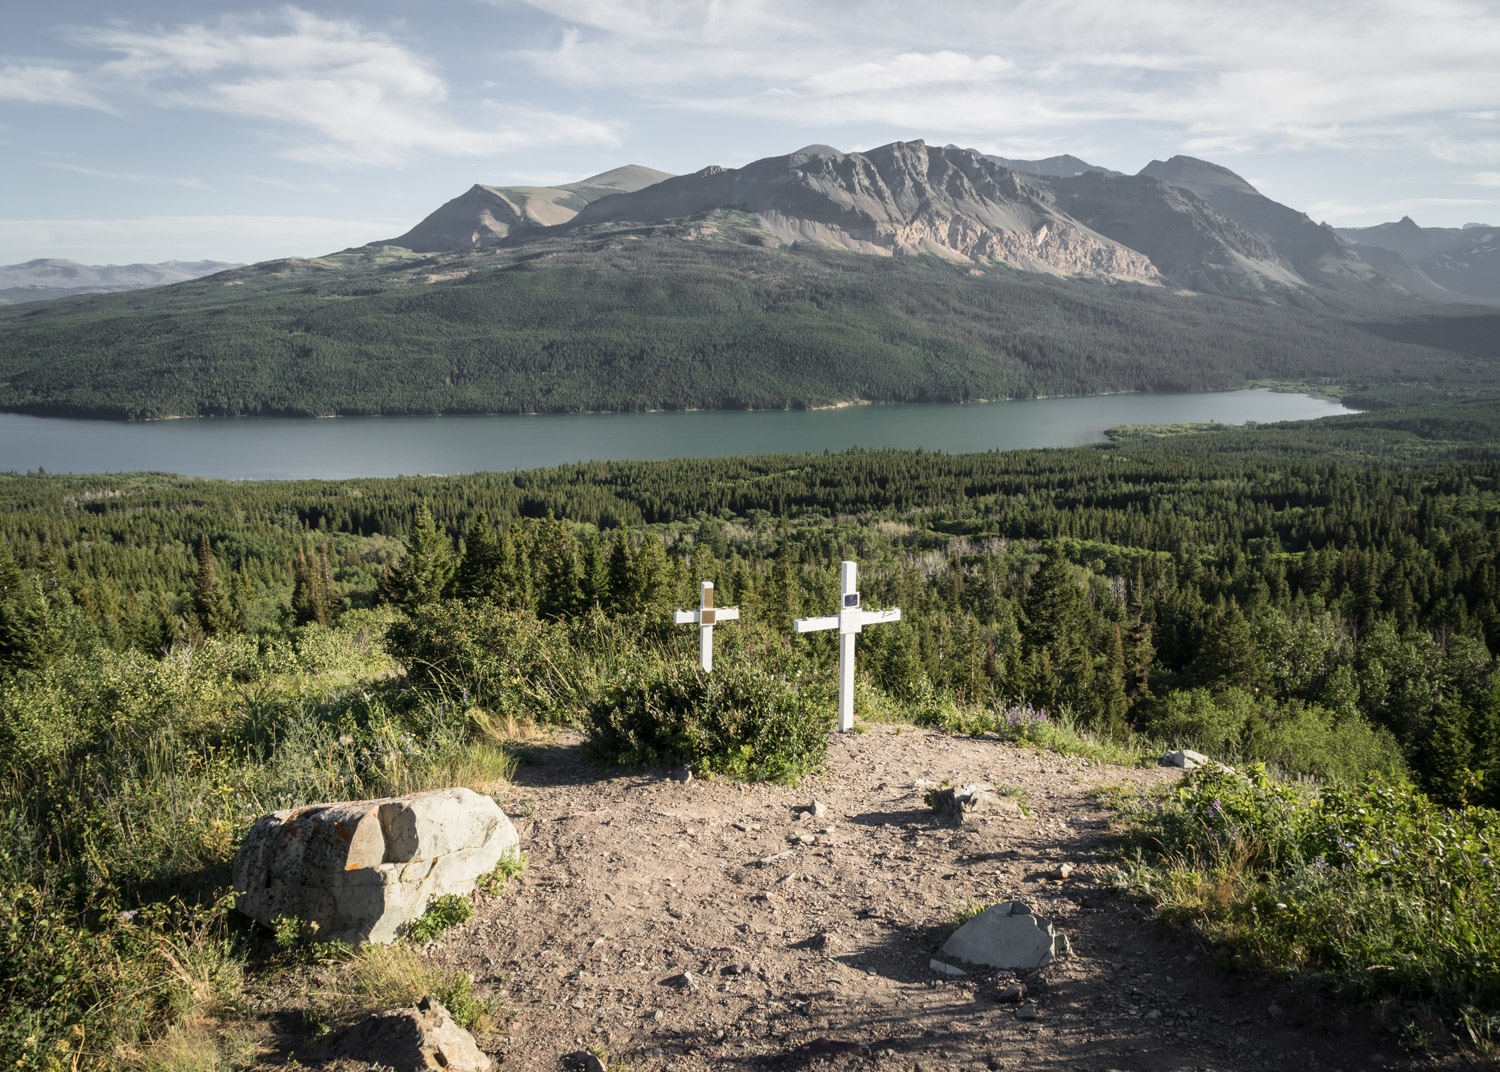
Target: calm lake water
261, 448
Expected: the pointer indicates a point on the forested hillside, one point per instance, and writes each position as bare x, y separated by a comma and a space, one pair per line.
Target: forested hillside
1251, 583
647, 319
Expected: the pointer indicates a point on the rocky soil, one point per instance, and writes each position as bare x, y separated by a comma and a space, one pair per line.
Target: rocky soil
701, 925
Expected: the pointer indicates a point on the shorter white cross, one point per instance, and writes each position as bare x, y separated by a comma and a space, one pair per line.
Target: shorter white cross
704, 617
848, 621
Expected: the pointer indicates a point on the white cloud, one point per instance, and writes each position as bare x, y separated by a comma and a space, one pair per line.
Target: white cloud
163, 238
328, 91
1273, 75
1483, 178
126, 176
37, 84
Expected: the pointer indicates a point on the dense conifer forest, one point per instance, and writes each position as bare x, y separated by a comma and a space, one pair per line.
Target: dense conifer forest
648, 320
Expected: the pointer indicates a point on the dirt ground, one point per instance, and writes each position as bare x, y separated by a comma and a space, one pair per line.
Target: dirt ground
683, 925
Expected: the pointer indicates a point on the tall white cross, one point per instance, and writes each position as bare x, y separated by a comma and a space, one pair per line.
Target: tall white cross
848, 621
704, 617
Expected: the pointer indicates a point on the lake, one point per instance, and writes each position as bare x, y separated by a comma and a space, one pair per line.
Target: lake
272, 448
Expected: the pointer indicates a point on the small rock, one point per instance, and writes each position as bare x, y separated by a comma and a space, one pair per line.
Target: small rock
1273, 1010
1061, 873
682, 774
818, 809
682, 982
1154, 1014
974, 800
739, 969
1028, 1011
1005, 935
658, 1015
1012, 994
423, 1036
822, 940
1185, 758
801, 837
583, 1061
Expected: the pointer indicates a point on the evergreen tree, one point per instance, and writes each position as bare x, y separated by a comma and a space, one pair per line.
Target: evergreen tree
619, 582
215, 610
480, 572
422, 577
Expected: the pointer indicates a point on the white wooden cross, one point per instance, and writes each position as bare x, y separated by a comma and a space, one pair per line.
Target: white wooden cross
704, 617
848, 621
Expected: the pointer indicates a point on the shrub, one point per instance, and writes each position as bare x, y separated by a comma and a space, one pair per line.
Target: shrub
508, 661
740, 720
443, 914
1236, 727
1374, 888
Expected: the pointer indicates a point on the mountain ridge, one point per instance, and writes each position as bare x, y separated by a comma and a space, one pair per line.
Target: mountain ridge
48, 278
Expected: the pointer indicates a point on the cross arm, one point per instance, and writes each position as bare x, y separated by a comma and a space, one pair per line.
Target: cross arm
813, 625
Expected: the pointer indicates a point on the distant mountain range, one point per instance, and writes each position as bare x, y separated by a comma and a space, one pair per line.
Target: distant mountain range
904, 273
1462, 262
1182, 222
47, 278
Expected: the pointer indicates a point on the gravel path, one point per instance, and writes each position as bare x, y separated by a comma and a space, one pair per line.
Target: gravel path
685, 925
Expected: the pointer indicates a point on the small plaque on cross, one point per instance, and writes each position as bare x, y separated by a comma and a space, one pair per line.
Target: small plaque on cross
704, 618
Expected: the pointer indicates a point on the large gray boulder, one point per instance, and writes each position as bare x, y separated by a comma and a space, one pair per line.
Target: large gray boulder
362, 870
1006, 935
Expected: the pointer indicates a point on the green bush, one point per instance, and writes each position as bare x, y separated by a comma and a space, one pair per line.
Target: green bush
507, 661
740, 720
1233, 726
1374, 887
443, 914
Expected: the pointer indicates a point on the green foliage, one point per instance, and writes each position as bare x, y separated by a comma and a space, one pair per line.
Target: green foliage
1234, 726
442, 914
509, 662
512, 864
741, 721
1372, 887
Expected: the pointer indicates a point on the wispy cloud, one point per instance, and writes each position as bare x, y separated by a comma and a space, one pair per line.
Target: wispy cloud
159, 238
326, 91
1483, 178
126, 176
42, 84
1274, 75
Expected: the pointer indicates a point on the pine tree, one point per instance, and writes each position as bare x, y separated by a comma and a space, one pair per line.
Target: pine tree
479, 574
422, 576
215, 610
619, 581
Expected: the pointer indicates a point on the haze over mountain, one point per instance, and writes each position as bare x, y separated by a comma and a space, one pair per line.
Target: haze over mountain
1462, 262
44, 278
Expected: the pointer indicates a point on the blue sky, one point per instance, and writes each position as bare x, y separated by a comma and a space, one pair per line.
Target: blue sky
172, 130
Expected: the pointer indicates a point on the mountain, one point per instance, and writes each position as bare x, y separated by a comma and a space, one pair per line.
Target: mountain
1063, 167
1461, 262
902, 198
1316, 253
47, 278
903, 273
485, 215
1188, 241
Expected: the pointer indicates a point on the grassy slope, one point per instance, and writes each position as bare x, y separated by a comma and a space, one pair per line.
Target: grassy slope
621, 321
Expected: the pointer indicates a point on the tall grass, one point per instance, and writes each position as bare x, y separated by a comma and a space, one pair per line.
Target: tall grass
1370, 886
